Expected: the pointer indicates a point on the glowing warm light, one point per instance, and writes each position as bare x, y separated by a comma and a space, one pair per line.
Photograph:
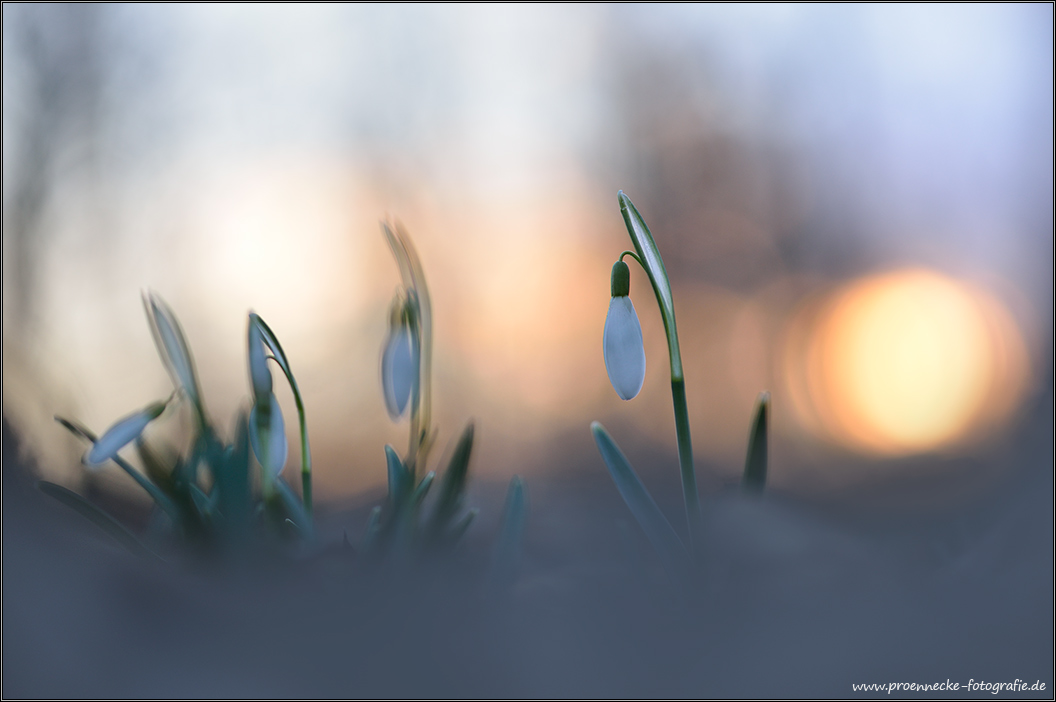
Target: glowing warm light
276, 237
907, 361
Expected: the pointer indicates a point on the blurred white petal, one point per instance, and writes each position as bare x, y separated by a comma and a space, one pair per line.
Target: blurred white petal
399, 370
624, 350
170, 337
267, 435
120, 434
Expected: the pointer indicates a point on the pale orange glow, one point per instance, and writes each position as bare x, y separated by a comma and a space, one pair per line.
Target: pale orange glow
904, 362
275, 236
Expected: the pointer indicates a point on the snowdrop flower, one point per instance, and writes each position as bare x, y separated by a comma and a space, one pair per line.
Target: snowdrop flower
121, 434
622, 341
267, 429
267, 435
400, 361
172, 345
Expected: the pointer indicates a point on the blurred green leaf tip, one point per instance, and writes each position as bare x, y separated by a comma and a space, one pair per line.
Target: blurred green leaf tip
754, 478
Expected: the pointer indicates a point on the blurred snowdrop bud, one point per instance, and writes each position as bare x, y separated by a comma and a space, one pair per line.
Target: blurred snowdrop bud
400, 361
267, 435
259, 373
171, 344
622, 341
121, 434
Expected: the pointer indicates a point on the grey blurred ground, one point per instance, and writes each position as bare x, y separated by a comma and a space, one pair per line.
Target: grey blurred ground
802, 599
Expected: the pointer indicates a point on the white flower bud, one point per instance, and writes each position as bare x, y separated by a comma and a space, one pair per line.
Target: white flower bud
259, 373
121, 434
399, 369
623, 347
267, 435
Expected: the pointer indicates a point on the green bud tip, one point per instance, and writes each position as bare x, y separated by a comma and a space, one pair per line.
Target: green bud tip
154, 410
621, 279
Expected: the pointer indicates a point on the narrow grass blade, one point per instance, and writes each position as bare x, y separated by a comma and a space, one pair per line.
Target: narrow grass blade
653, 522
98, 517
453, 484
511, 534
755, 462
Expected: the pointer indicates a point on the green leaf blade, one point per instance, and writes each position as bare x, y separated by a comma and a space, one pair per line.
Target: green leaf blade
657, 529
755, 463
453, 483
651, 260
98, 517
232, 484
399, 480
511, 534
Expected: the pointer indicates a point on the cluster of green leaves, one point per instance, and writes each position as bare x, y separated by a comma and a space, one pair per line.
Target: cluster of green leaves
679, 560
208, 497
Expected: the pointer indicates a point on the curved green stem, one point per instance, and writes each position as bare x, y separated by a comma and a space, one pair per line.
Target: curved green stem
648, 255
279, 356
634, 256
306, 452
685, 458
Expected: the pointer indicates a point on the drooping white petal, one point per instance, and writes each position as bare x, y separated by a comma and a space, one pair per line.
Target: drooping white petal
623, 347
259, 373
399, 370
123, 432
267, 435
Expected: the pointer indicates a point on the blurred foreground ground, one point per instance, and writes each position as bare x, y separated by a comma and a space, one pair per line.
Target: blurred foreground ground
802, 599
